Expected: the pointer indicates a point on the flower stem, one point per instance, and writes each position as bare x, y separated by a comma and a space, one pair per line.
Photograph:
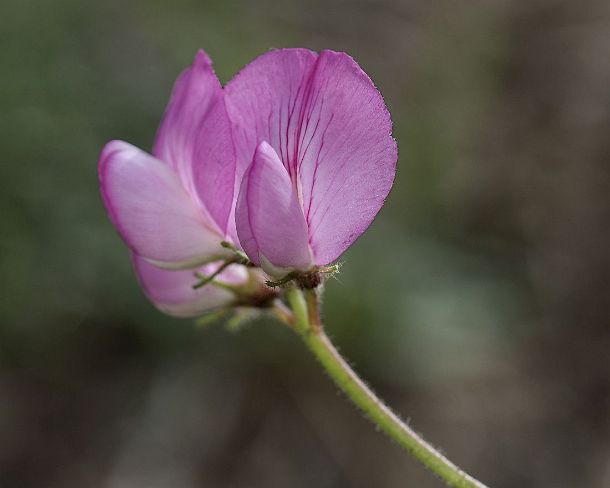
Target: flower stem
308, 325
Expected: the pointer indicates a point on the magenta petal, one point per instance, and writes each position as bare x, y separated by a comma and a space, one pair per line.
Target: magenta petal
348, 161
269, 218
262, 102
151, 210
330, 127
172, 290
195, 138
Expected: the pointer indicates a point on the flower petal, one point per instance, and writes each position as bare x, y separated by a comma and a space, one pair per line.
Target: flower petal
195, 138
153, 213
263, 101
331, 129
172, 290
269, 218
348, 164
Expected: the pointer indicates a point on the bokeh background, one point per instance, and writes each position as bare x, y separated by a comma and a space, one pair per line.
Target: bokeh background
478, 304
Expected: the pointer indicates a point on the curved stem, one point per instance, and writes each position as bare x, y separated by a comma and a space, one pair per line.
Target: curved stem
307, 323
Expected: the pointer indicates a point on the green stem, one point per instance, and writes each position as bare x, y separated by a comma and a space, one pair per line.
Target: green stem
307, 323
204, 280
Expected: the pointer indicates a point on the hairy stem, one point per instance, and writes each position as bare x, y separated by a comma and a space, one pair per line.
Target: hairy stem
307, 323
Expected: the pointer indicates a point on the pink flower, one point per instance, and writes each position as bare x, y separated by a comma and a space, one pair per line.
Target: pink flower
314, 146
291, 163
172, 207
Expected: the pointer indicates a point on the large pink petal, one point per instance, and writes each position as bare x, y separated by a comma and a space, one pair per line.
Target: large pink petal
153, 213
348, 158
172, 290
332, 131
264, 100
270, 222
195, 138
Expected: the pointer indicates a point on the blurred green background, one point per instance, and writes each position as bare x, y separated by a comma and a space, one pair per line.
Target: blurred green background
478, 304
